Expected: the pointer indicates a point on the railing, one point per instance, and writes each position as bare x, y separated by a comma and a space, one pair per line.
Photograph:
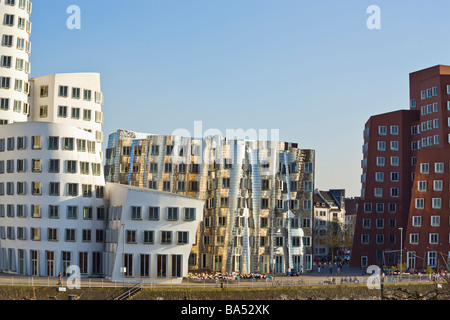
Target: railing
130, 292
6, 280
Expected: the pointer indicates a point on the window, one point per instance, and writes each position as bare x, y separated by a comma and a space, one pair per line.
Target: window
434, 238
131, 236
424, 168
395, 161
70, 235
439, 167
87, 190
378, 192
382, 130
437, 203
417, 221
420, 203
438, 185
172, 214
63, 91
435, 221
136, 213
72, 212
414, 238
68, 143
36, 142
53, 166
381, 145
394, 145
87, 95
422, 185
8, 20
379, 176
189, 214
76, 93
54, 189
84, 167
53, 212
153, 213
183, 237
72, 189
166, 237
149, 237
71, 166
380, 161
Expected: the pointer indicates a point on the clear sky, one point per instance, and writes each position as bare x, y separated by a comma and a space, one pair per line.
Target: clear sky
311, 69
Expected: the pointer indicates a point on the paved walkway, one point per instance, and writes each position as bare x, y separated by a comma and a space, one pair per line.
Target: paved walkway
309, 278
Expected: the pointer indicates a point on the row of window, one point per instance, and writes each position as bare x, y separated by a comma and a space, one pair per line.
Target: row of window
436, 203
22, 4
17, 263
53, 212
435, 221
223, 202
379, 223
19, 84
71, 166
433, 238
380, 238
22, 23
380, 207
383, 130
20, 65
162, 265
294, 223
63, 92
429, 93
54, 189
75, 113
425, 142
153, 213
53, 143
165, 237
20, 43
53, 234
19, 106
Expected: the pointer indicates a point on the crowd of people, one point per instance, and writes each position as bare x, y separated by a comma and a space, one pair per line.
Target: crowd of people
228, 276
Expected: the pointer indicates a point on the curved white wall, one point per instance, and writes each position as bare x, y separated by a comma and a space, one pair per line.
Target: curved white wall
15, 47
73, 107
11, 244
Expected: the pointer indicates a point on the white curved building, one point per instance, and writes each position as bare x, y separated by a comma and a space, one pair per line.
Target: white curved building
15, 51
73, 99
52, 209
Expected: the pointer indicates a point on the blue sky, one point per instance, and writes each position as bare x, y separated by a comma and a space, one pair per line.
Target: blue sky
311, 69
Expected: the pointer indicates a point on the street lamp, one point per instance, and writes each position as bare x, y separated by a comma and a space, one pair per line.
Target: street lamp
401, 251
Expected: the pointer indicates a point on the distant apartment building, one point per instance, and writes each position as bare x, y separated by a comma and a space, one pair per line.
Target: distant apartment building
329, 217
405, 180
258, 195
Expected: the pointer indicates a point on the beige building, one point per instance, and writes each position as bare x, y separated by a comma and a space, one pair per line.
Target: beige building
329, 220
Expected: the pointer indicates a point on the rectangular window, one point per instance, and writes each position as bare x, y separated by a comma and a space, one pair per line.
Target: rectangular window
153, 213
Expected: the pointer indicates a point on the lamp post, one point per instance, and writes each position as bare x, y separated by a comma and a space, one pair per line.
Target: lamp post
401, 251
123, 254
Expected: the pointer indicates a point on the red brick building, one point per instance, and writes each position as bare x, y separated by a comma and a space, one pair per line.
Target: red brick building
405, 196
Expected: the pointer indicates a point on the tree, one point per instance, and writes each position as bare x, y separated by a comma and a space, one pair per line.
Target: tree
334, 236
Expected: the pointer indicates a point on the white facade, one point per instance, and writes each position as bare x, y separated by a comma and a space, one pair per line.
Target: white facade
73, 99
15, 29
150, 233
52, 210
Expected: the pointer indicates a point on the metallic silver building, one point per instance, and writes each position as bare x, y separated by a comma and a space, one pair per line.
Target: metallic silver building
258, 195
